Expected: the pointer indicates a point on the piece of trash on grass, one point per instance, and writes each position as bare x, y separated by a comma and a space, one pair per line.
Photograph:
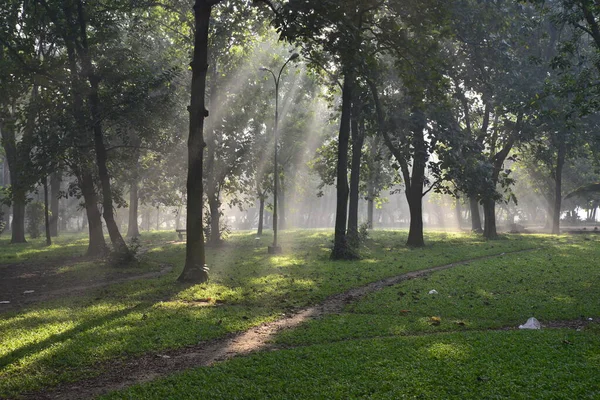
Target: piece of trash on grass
433, 291
4, 302
532, 323
590, 319
162, 356
435, 320
28, 291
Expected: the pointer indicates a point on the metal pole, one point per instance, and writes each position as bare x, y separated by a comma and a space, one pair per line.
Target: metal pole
275, 169
275, 248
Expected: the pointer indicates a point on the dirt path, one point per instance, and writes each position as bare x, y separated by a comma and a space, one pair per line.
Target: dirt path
122, 374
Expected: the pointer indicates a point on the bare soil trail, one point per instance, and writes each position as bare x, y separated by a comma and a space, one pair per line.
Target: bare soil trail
122, 374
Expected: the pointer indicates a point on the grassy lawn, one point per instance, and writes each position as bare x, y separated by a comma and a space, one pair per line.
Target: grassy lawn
67, 339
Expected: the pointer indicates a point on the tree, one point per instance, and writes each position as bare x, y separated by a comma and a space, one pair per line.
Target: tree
195, 258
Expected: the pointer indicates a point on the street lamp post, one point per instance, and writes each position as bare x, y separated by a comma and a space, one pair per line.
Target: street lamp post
275, 249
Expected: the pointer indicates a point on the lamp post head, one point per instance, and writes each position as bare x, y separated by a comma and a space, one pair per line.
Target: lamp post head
294, 56
263, 69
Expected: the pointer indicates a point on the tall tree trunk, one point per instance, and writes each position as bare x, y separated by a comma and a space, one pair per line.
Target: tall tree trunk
133, 229
414, 192
489, 213
97, 244
358, 138
458, 212
475, 216
195, 257
373, 173
281, 207
341, 250
116, 239
55, 179
560, 162
18, 220
17, 156
370, 207
261, 212
214, 206
47, 213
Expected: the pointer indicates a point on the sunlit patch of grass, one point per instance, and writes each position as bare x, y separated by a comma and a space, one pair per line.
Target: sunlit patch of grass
448, 351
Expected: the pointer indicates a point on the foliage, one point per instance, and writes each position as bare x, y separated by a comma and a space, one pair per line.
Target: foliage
35, 219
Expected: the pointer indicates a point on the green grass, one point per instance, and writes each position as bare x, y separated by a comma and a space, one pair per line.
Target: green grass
68, 338
375, 350
479, 365
554, 283
66, 245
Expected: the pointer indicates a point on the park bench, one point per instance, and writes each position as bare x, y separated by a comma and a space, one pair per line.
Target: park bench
181, 233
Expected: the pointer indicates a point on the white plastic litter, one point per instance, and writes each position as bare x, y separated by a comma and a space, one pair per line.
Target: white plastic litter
4, 302
531, 323
433, 291
28, 291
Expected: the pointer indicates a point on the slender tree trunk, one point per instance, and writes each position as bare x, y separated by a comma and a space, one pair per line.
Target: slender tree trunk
281, 208
55, 179
489, 213
18, 220
370, 209
133, 229
357, 144
47, 213
261, 211
97, 244
458, 212
475, 216
116, 239
195, 258
341, 250
560, 162
414, 193
214, 206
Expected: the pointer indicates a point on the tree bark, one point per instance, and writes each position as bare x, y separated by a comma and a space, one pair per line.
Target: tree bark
475, 215
358, 138
47, 213
560, 162
261, 212
18, 220
97, 244
214, 206
133, 229
415, 232
341, 249
55, 179
489, 213
414, 191
195, 257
